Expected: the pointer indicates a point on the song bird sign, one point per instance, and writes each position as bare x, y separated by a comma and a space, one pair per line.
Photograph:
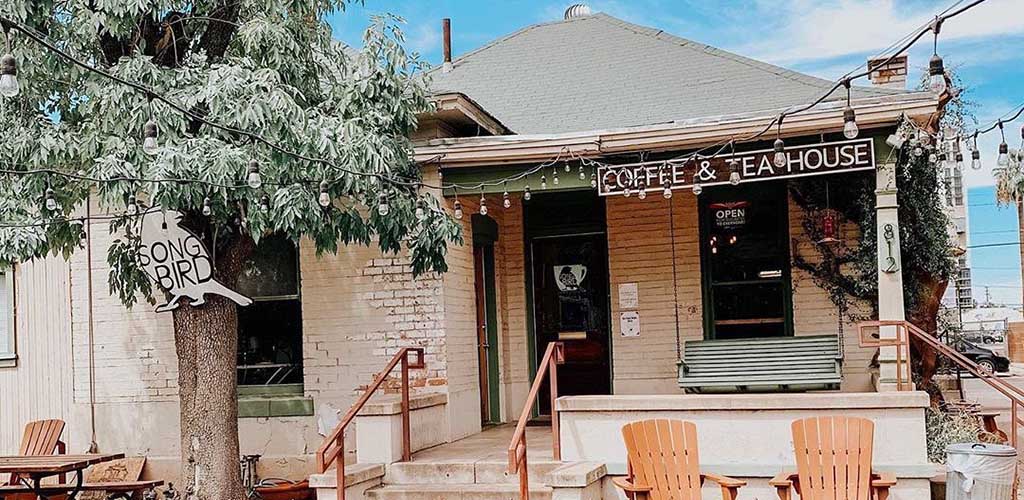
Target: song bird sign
178, 262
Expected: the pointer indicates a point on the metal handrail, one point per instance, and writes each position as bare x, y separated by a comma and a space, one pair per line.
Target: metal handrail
333, 448
905, 329
554, 355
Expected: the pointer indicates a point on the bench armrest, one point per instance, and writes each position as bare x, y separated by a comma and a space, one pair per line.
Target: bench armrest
783, 479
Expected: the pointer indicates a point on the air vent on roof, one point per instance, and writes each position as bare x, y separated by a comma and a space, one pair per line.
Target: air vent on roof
577, 10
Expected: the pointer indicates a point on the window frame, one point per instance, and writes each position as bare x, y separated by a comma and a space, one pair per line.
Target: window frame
9, 358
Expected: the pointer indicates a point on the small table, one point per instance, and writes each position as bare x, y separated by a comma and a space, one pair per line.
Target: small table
31, 470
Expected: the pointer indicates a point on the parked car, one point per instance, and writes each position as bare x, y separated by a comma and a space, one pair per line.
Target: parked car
986, 358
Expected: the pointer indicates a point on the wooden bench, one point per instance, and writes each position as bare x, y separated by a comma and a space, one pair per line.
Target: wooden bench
120, 490
762, 364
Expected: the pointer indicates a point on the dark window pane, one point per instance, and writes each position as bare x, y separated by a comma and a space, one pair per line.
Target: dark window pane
270, 343
273, 270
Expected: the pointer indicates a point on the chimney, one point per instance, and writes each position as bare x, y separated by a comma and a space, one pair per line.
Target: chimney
446, 28
892, 75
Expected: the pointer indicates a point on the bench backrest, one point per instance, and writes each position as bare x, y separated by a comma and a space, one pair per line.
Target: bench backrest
782, 363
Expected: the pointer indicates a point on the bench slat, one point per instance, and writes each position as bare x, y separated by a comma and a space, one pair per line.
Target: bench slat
787, 362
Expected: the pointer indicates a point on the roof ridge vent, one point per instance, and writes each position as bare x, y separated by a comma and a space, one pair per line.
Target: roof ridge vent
577, 10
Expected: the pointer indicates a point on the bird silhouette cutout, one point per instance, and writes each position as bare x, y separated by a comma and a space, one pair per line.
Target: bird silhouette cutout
178, 262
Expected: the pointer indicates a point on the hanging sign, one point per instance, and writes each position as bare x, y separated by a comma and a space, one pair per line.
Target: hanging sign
178, 262
814, 159
730, 215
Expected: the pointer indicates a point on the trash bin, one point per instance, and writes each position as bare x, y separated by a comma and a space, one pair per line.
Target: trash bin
979, 471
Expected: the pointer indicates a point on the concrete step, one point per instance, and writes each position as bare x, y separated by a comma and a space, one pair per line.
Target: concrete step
481, 472
455, 491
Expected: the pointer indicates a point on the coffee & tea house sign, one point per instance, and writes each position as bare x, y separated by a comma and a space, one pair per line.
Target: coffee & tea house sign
814, 159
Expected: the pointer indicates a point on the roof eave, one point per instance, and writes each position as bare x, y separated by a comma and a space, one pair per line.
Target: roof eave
469, 109
689, 134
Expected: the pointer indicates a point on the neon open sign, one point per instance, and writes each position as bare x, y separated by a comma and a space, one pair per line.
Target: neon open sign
814, 159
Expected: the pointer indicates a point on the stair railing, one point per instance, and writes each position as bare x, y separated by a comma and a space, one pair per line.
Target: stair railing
905, 330
333, 448
554, 355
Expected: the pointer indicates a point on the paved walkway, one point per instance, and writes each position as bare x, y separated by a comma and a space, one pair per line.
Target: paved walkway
491, 445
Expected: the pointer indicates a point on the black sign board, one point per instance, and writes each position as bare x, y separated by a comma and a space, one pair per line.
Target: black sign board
814, 159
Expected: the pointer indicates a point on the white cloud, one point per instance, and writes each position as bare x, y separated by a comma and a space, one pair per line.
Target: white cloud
807, 30
425, 38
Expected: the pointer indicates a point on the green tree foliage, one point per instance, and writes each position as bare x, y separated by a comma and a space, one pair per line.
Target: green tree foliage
263, 66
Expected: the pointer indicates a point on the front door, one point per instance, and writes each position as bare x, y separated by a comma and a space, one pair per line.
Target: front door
745, 261
570, 293
487, 332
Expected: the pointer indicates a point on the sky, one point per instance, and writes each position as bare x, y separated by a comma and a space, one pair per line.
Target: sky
825, 38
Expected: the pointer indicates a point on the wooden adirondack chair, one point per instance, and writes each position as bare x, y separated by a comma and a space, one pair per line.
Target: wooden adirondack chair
663, 463
41, 437
833, 460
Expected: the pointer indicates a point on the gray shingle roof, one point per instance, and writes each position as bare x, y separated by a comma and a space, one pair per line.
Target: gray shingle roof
599, 72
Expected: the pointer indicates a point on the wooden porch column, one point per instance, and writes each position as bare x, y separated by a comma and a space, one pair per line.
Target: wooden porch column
890, 270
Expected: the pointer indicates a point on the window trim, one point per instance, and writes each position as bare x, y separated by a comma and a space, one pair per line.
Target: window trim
10, 359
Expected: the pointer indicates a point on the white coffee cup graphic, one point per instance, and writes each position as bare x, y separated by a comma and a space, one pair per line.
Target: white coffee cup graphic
570, 276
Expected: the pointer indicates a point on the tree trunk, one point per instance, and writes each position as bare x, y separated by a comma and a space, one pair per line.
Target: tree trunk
925, 317
206, 340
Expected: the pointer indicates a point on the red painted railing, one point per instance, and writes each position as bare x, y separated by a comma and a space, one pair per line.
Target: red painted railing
904, 330
554, 355
333, 448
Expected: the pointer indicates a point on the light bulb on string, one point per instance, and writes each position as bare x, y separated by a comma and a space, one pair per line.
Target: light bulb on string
458, 209
959, 160
697, 189
627, 192
50, 200
9, 86
253, 178
593, 181
265, 203
936, 68
483, 205
567, 168
149, 136
1004, 157
734, 173
526, 193
554, 176
975, 153
543, 181
421, 211
641, 190
583, 175
667, 192
780, 153
383, 208
325, 198
850, 129
506, 200
207, 210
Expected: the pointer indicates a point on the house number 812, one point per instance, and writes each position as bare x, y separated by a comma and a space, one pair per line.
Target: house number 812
891, 265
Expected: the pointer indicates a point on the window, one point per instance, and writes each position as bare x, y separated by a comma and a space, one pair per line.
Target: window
270, 329
7, 351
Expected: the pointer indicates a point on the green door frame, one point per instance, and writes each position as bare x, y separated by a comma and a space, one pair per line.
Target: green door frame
491, 308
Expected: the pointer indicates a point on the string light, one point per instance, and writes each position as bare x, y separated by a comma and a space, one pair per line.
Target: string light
325, 198
641, 190
936, 68
568, 168
9, 86
526, 193
483, 204
421, 211
543, 181
697, 189
253, 177
382, 205
593, 181
265, 203
458, 209
850, 129
975, 153
1004, 158
50, 201
554, 176
149, 134
207, 210
506, 201
780, 158
667, 192
734, 166
583, 175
